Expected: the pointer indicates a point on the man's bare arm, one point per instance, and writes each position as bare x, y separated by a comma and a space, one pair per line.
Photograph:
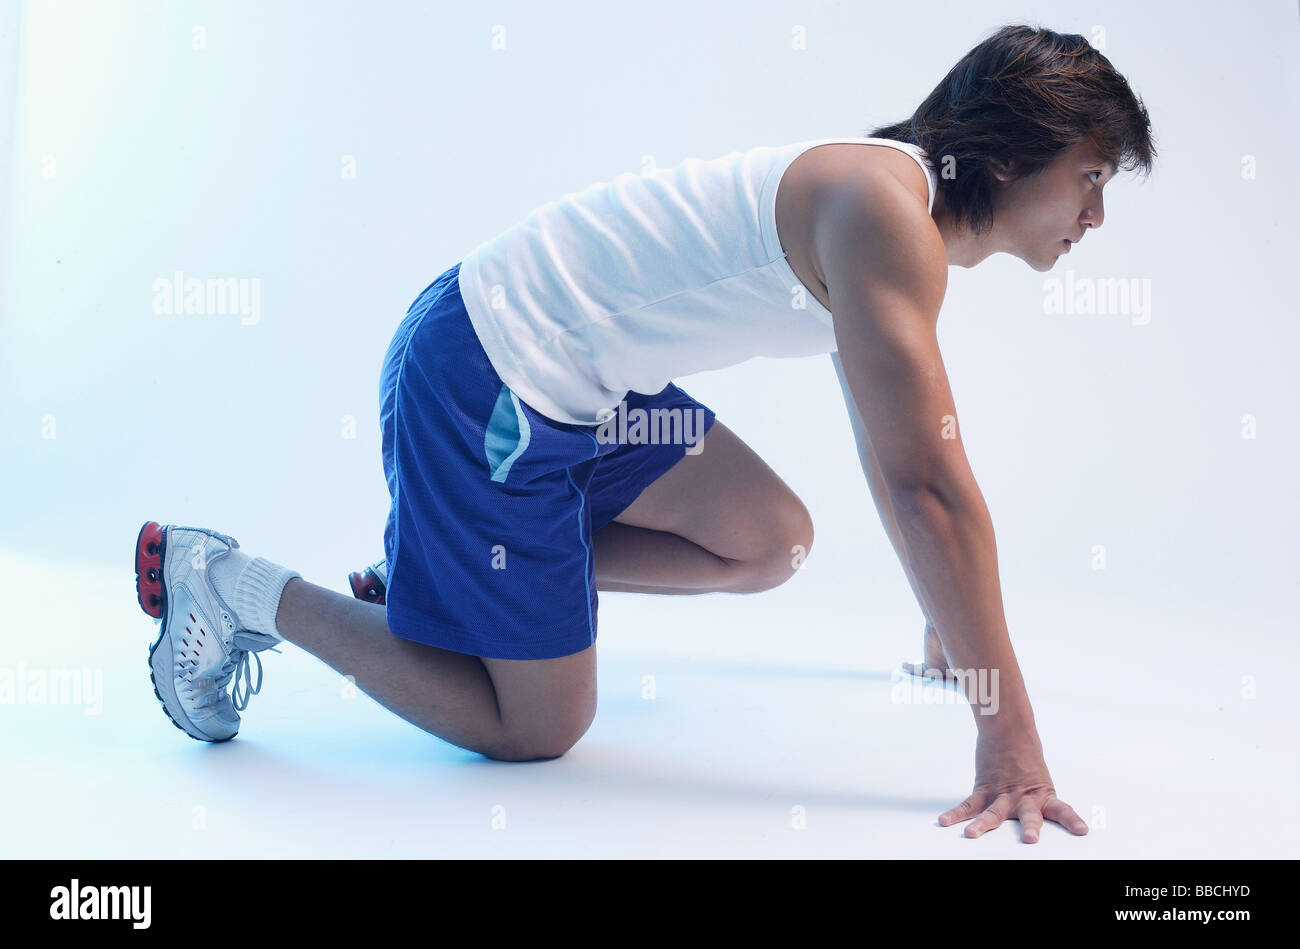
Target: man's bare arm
876, 482
886, 272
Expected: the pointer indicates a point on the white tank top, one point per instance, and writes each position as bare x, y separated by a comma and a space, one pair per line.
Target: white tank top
630, 283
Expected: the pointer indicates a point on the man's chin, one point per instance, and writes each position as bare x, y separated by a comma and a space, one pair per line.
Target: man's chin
1048, 264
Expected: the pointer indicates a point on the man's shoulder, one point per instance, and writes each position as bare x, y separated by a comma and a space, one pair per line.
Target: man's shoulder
866, 171
876, 218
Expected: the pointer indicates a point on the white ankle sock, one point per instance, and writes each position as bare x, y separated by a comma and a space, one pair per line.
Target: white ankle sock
253, 587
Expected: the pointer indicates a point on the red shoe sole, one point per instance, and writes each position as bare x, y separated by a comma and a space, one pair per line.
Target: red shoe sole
148, 570
365, 586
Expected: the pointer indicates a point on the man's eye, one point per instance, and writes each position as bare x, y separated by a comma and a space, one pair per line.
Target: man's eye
1095, 173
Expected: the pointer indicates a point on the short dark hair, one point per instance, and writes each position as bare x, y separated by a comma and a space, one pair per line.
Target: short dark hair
1023, 96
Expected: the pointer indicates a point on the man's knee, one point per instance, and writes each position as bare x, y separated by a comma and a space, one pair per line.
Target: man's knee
791, 539
528, 742
532, 749
544, 706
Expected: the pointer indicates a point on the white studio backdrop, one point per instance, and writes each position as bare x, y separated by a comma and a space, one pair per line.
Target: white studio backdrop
336, 157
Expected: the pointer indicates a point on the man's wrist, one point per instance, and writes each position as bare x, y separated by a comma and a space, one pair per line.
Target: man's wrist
1001, 713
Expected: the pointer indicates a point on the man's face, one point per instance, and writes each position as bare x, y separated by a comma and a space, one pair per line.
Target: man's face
1037, 216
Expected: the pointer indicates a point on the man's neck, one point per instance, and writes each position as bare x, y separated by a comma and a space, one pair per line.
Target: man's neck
961, 245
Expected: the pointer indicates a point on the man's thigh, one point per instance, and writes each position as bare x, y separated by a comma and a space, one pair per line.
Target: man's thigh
726, 499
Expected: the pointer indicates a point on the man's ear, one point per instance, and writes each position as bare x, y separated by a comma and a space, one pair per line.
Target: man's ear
1002, 170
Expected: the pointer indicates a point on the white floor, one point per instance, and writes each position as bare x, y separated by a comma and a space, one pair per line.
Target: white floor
760, 716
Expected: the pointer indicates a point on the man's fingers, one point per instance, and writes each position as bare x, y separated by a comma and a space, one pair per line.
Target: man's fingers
992, 817
965, 810
1057, 810
1031, 824
985, 816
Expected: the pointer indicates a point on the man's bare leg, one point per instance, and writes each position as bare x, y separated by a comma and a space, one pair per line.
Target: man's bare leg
717, 521
720, 520
639, 560
450, 694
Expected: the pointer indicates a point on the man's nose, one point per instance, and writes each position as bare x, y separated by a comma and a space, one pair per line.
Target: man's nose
1093, 216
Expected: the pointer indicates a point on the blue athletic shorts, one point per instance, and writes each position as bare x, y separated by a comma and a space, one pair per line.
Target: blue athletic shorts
489, 536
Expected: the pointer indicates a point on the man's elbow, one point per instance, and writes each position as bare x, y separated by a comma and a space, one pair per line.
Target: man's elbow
924, 497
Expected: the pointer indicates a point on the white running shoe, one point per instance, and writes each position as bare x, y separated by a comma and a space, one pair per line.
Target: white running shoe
200, 643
